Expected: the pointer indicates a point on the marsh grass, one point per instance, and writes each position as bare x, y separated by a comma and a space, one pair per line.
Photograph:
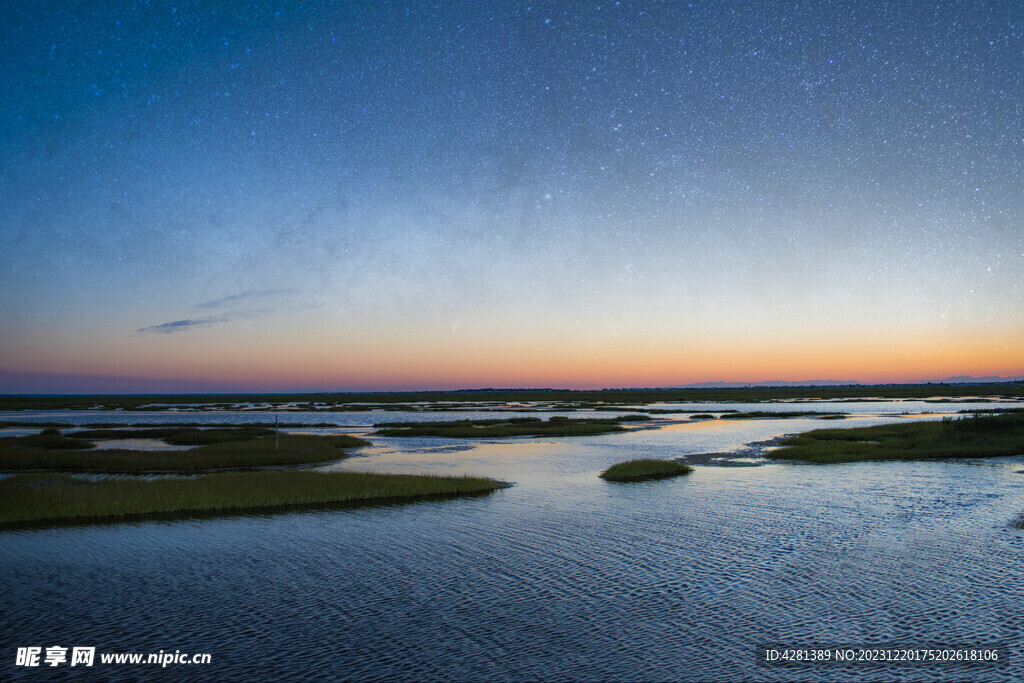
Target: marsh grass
980, 436
644, 469
22, 423
517, 426
31, 499
177, 426
44, 441
295, 449
757, 414
177, 435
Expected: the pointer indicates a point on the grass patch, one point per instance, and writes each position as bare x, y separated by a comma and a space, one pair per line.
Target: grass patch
205, 425
757, 414
981, 436
31, 499
177, 435
517, 426
34, 424
702, 416
45, 442
295, 449
644, 469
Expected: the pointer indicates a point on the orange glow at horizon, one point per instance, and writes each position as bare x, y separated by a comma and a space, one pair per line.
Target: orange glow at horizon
392, 362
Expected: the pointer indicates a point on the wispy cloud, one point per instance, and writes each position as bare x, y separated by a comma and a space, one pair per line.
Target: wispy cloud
241, 303
182, 325
243, 298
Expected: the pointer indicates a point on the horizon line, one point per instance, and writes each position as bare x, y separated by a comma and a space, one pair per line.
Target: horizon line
779, 384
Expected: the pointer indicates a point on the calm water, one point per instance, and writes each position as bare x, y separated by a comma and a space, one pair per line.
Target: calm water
562, 576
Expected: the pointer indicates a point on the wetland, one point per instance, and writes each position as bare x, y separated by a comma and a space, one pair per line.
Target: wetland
560, 575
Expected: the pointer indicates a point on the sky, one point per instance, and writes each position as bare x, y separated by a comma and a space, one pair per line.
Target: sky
428, 195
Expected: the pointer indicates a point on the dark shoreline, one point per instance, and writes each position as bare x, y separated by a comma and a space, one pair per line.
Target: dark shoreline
580, 399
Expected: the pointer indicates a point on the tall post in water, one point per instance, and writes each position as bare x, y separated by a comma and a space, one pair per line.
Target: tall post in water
277, 443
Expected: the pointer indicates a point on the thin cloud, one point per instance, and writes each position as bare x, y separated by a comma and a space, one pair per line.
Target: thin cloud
244, 297
182, 325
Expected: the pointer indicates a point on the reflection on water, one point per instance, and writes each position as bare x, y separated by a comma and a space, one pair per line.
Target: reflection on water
563, 576
138, 445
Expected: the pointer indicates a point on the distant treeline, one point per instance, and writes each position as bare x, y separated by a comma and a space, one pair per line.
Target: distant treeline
582, 399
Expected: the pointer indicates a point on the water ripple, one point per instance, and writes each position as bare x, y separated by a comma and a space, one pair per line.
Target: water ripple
562, 577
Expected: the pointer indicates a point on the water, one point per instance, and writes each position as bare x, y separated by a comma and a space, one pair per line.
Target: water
562, 576
366, 419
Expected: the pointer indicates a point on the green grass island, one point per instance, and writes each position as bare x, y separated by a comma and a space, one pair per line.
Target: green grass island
782, 414
978, 436
55, 498
214, 449
248, 476
644, 470
506, 427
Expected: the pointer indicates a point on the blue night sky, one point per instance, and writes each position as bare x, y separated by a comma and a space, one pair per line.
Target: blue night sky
228, 196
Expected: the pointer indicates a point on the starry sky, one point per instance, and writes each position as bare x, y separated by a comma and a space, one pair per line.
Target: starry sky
327, 196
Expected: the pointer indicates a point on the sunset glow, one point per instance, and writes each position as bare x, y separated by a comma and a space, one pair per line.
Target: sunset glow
337, 198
